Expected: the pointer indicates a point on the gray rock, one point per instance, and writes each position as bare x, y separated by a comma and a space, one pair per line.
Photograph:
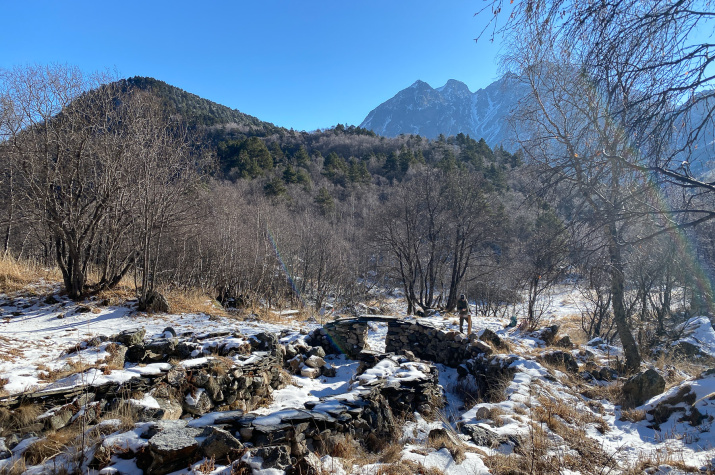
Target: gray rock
329, 371
315, 362
170, 409
58, 420
561, 358
154, 302
219, 444
565, 342
491, 337
547, 334
197, 403
483, 436
643, 386
130, 337
277, 457
317, 351
171, 450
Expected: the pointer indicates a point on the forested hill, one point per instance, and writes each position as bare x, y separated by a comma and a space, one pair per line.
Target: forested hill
196, 110
248, 148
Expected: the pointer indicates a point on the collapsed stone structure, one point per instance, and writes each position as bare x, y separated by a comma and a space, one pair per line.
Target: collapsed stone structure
423, 340
212, 382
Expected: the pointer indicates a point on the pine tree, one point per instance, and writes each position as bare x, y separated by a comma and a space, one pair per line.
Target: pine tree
325, 202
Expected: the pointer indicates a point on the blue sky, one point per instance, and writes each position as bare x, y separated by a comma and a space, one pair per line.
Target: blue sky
300, 64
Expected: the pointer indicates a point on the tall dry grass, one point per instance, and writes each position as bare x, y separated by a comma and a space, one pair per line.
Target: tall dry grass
17, 275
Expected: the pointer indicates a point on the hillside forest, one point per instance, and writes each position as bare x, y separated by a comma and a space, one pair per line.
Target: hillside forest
135, 179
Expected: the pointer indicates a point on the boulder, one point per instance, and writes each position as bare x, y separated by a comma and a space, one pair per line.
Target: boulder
547, 334
491, 337
564, 342
197, 402
329, 371
315, 362
311, 373
276, 457
170, 409
643, 386
561, 358
171, 450
483, 436
130, 337
317, 351
219, 444
154, 302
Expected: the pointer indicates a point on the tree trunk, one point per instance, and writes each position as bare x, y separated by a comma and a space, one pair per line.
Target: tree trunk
630, 349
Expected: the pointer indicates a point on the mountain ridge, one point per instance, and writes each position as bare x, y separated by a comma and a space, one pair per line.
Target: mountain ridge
421, 109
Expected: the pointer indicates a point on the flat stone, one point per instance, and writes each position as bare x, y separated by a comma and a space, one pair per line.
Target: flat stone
130, 337
311, 373
315, 362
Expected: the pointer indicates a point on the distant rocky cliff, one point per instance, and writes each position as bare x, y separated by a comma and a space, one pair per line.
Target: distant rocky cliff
449, 110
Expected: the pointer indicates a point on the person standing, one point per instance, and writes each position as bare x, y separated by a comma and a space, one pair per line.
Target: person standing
463, 309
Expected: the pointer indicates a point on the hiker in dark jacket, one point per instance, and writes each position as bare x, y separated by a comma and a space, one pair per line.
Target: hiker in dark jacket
463, 309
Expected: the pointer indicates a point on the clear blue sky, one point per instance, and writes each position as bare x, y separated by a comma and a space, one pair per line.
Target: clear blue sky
300, 64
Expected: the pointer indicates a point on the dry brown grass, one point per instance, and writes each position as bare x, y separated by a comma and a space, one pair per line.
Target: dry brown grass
632, 415
17, 468
19, 418
11, 354
193, 301
452, 444
538, 453
16, 275
407, 467
552, 411
664, 456
391, 454
571, 325
275, 316
677, 369
348, 450
50, 447
118, 295
72, 367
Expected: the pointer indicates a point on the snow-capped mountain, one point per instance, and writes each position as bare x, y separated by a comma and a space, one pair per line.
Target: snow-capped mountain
423, 110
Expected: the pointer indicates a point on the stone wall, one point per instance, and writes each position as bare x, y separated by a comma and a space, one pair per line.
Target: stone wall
193, 383
346, 337
285, 439
425, 341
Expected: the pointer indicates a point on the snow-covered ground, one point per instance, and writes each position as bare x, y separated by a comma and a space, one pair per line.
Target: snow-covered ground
35, 337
